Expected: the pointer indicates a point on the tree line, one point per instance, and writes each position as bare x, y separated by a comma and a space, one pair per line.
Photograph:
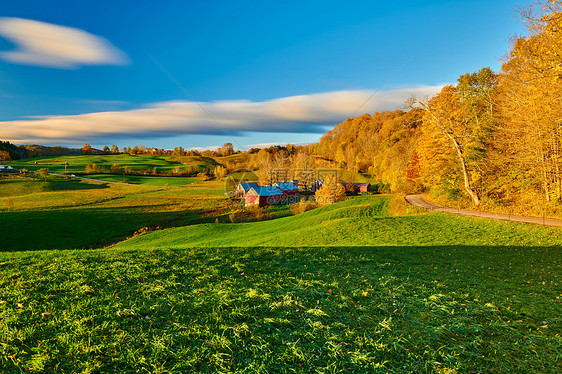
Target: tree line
492, 136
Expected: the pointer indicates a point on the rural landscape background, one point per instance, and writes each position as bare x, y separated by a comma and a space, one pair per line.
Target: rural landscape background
298, 256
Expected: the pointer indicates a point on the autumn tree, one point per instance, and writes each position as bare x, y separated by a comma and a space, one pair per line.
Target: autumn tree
115, 169
331, 191
86, 150
226, 150
265, 167
304, 169
457, 122
531, 88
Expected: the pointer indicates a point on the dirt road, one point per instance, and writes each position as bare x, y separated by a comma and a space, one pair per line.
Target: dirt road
418, 200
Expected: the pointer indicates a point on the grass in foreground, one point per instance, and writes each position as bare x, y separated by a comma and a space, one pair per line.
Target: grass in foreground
270, 310
395, 307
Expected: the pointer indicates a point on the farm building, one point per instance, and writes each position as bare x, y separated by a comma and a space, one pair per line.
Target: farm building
288, 188
362, 187
244, 187
316, 185
262, 196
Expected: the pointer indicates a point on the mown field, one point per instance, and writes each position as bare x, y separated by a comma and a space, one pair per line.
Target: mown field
345, 288
145, 180
77, 164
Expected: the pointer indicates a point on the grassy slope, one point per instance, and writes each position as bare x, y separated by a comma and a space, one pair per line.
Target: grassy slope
361, 221
423, 293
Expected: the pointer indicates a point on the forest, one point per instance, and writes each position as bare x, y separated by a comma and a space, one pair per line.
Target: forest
493, 139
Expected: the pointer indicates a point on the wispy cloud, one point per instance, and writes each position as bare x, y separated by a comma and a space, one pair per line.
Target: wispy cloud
46, 44
293, 114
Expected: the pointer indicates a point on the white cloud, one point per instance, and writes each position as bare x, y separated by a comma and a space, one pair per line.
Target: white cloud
46, 44
294, 114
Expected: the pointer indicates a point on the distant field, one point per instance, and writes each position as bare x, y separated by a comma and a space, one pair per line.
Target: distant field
144, 180
77, 164
344, 288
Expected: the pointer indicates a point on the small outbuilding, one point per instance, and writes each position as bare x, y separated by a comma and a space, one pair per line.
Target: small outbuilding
361, 187
262, 196
364, 187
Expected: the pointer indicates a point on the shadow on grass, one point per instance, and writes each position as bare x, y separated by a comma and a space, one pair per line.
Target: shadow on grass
85, 228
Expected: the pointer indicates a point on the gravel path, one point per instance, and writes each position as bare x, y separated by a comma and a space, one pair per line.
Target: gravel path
418, 200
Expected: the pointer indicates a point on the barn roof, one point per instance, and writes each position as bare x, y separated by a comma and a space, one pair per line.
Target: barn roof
267, 191
248, 185
286, 186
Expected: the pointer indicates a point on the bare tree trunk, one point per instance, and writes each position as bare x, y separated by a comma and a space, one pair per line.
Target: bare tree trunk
468, 188
545, 176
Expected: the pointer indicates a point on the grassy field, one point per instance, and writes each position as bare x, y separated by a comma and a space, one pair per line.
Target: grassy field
348, 288
77, 164
63, 214
145, 180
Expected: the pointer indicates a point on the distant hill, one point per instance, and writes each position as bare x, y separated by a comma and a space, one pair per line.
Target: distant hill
9, 151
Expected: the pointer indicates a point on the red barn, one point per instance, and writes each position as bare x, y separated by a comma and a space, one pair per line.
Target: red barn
361, 187
262, 196
364, 187
289, 189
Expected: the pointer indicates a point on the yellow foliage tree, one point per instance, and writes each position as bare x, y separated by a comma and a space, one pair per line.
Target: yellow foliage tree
332, 191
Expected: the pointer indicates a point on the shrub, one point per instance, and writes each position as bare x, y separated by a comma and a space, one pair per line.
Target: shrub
115, 169
303, 206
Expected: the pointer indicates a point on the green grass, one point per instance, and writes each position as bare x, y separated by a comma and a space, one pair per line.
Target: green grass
347, 288
77, 164
21, 186
144, 180
381, 309
361, 221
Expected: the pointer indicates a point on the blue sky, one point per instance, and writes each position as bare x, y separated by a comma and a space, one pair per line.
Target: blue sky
202, 73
